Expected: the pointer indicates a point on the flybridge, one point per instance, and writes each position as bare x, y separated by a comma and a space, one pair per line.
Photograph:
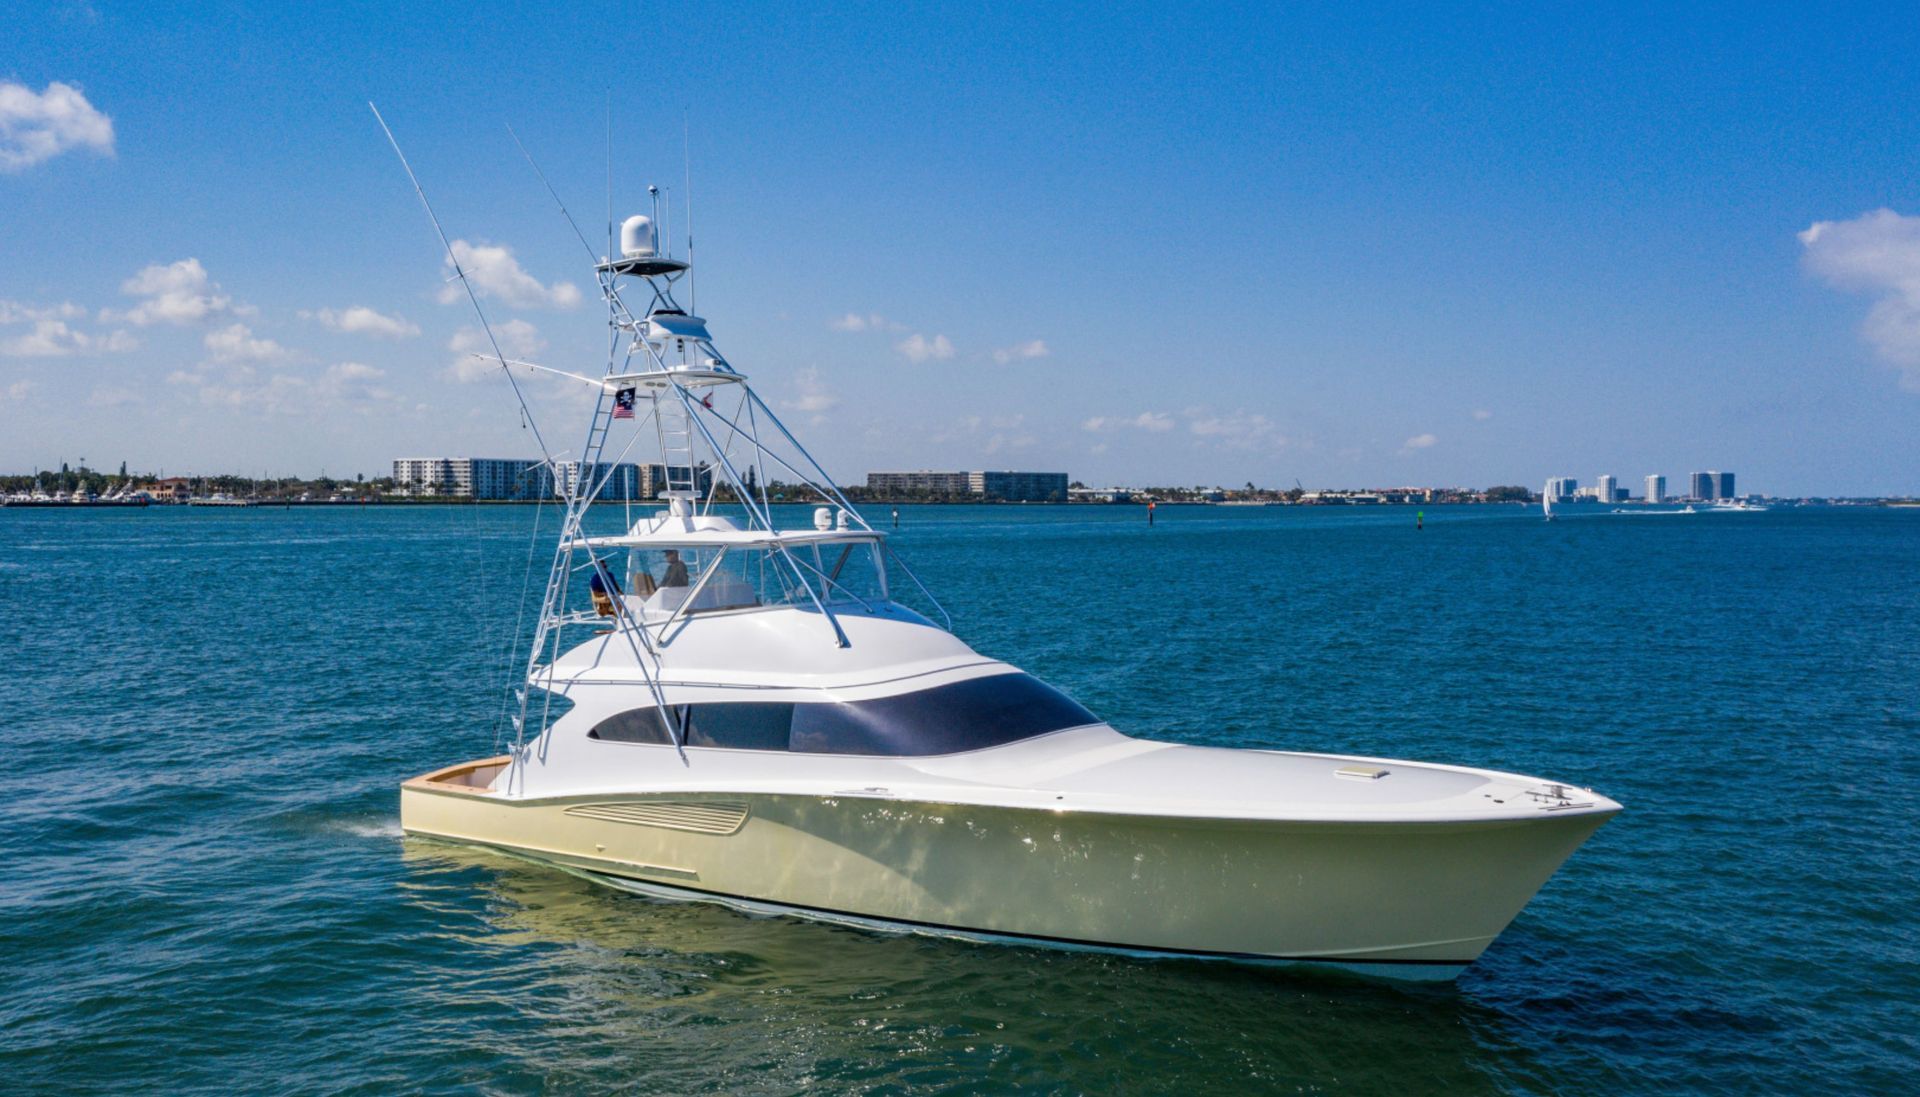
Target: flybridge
666, 387
667, 383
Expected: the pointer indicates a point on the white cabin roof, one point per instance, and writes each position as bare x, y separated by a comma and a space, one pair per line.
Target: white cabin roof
676, 325
686, 377
664, 529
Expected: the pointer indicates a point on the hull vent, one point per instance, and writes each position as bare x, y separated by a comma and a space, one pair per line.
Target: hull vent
701, 817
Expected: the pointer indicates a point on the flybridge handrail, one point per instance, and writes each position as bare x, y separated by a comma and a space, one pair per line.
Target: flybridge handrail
728, 538
666, 358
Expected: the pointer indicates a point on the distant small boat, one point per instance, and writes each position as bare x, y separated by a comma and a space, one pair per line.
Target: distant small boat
1546, 502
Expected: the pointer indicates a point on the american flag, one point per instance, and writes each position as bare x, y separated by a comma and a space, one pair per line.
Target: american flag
623, 404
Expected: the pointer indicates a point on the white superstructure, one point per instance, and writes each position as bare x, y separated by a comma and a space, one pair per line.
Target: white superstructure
729, 700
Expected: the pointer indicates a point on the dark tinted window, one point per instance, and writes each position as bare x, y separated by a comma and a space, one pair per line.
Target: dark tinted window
641, 725
969, 715
980, 712
741, 725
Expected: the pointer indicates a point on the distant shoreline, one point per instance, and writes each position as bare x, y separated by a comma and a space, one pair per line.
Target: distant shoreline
457, 501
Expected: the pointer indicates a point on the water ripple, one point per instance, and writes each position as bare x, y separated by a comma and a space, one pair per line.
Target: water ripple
206, 887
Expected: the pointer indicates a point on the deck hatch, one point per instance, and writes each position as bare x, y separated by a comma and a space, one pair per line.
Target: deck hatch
698, 816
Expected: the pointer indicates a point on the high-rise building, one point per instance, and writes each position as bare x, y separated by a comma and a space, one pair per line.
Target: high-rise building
1562, 489
472, 477
514, 478
1603, 488
1722, 485
933, 483
612, 481
1656, 488
1019, 487
1702, 486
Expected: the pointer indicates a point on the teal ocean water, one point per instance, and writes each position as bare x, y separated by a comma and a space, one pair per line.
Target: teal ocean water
204, 889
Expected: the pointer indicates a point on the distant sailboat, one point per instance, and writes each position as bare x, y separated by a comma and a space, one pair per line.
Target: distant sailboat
1546, 502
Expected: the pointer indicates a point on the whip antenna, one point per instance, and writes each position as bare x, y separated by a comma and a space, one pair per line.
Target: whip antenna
686, 156
556, 194
609, 173
461, 273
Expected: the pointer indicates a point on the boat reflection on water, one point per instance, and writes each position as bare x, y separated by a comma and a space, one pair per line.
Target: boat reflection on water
692, 997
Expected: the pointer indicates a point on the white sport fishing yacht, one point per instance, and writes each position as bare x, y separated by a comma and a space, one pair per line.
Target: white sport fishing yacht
719, 706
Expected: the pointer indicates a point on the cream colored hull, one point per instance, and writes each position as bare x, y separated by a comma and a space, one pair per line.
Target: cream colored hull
1414, 899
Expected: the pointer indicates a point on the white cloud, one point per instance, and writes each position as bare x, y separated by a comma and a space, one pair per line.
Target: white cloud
1239, 429
494, 272
1418, 441
354, 382
1003, 443
988, 435
1876, 253
104, 397
38, 126
54, 339
1152, 421
345, 384
1035, 348
919, 348
280, 394
1482, 414
235, 343
13, 312
177, 293
871, 321
814, 397
518, 339
361, 320
18, 390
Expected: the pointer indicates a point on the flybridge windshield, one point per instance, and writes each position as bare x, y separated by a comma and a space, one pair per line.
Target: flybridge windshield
698, 579
961, 716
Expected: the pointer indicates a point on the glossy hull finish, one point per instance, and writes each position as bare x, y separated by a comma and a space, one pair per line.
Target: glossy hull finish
1417, 900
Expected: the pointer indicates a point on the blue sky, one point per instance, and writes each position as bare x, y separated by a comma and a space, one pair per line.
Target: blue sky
1145, 245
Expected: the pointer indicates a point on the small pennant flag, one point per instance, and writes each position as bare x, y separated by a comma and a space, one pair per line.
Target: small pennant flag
623, 403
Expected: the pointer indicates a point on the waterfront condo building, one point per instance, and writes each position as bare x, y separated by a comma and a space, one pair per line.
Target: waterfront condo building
1563, 489
618, 482
1603, 488
629, 482
932, 483
517, 478
1722, 485
470, 477
1015, 487
1020, 487
1700, 486
1656, 488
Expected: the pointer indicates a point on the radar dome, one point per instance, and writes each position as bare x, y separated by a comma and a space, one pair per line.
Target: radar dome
636, 237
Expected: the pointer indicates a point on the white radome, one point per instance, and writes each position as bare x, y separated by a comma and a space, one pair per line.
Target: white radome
636, 237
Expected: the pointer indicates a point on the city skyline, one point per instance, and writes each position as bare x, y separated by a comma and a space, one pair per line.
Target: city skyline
527, 478
1712, 484
1395, 254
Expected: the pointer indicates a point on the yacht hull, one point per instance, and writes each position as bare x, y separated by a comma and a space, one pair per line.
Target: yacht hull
1406, 899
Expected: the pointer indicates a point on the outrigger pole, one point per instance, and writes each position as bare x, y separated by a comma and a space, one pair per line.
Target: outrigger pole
460, 272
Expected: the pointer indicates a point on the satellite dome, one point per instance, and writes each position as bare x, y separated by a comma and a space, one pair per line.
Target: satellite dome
636, 237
